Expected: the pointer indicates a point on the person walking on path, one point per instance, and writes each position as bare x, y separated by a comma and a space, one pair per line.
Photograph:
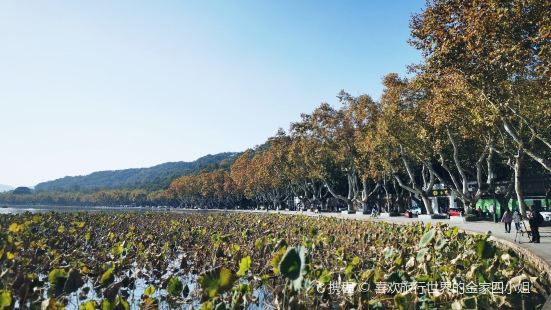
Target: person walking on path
535, 219
517, 218
507, 218
491, 210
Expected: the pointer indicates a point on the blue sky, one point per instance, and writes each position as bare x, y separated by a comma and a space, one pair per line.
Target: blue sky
102, 85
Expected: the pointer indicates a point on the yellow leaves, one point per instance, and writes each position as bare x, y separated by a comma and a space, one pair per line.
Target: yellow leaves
117, 303
15, 228
5, 299
277, 258
84, 269
235, 248
61, 229
117, 249
244, 266
10, 256
216, 281
107, 276
259, 244
55, 274
89, 305
79, 224
36, 219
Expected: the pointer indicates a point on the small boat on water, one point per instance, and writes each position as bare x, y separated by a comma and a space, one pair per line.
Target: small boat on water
4, 207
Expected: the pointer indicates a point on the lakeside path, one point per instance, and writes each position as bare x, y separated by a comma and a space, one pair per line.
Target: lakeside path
539, 253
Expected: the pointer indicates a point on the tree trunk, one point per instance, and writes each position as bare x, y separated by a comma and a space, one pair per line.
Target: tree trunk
366, 194
419, 193
350, 205
349, 202
427, 203
518, 184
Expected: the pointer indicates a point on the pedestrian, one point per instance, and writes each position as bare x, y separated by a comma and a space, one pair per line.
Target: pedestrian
507, 218
535, 219
517, 218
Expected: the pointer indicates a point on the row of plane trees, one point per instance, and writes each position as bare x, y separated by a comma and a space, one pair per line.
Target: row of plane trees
473, 114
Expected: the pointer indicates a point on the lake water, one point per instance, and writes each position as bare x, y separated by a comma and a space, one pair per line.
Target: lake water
43, 208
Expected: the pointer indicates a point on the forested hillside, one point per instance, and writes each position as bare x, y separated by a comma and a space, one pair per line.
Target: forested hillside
152, 178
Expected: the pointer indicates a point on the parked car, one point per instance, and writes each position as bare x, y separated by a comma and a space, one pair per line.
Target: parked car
455, 211
415, 210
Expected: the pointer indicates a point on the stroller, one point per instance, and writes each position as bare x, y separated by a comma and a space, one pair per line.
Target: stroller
521, 230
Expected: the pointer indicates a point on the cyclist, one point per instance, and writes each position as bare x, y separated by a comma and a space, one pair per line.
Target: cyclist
374, 212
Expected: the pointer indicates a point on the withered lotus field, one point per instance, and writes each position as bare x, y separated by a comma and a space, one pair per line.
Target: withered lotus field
241, 260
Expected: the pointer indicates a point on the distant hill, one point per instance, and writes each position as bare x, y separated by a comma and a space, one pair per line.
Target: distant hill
5, 188
153, 178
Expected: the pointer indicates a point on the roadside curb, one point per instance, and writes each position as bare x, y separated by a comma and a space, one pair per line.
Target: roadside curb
532, 257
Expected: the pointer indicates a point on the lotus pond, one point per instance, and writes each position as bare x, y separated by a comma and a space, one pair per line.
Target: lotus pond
257, 261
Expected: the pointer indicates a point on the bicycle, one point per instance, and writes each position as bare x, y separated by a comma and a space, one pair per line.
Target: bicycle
374, 214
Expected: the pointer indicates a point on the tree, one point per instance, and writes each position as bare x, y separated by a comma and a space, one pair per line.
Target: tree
403, 139
502, 49
331, 137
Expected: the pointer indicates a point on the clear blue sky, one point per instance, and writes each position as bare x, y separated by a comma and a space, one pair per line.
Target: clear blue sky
102, 85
